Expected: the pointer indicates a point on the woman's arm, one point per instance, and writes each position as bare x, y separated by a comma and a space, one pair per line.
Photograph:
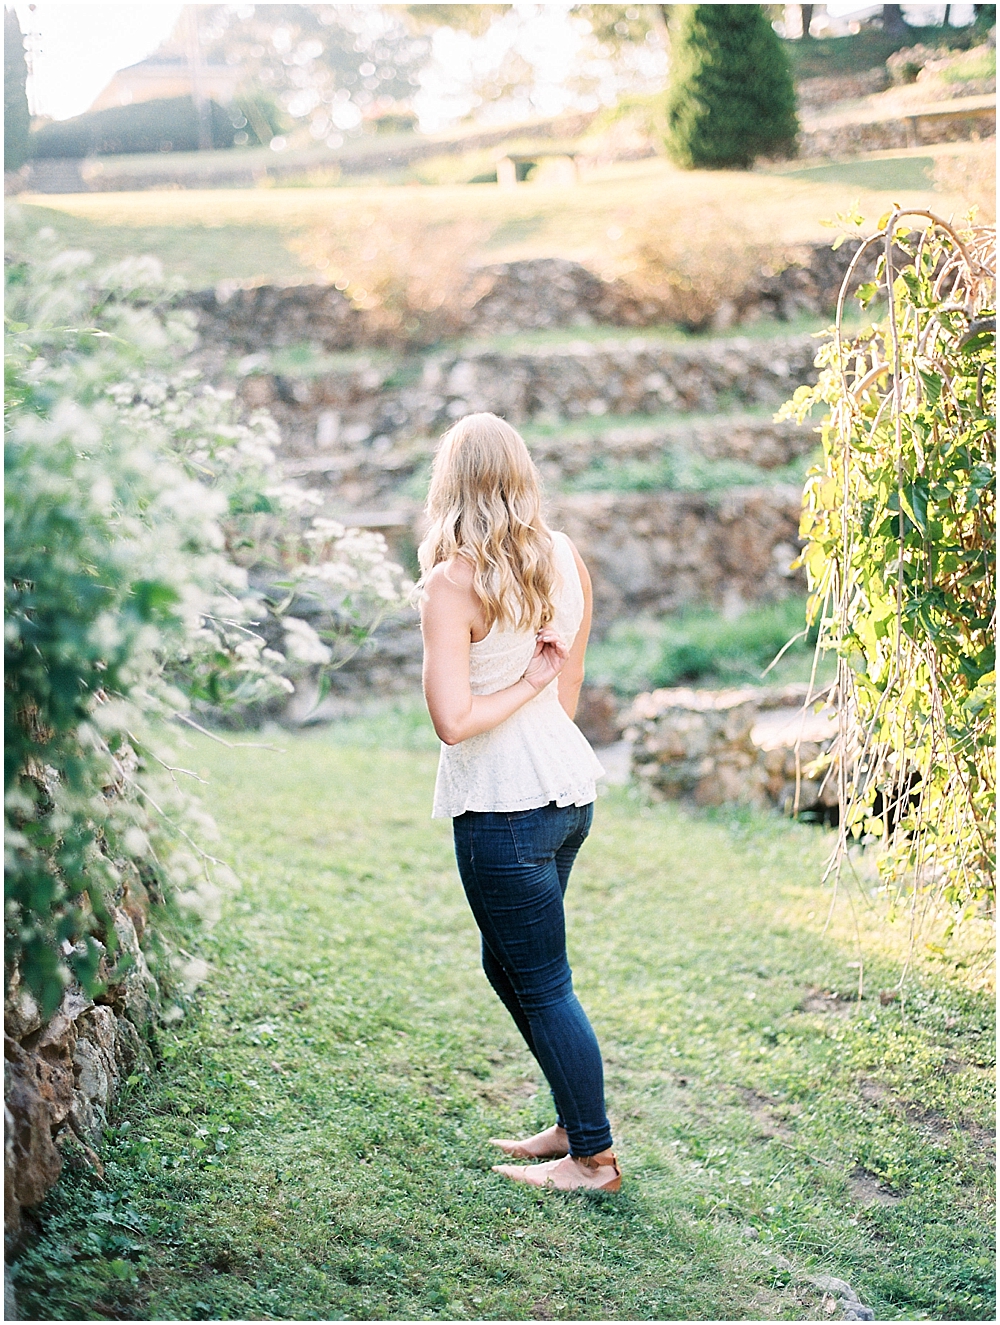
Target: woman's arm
447, 613
571, 676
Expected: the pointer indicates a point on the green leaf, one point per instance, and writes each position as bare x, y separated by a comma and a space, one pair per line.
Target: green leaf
932, 386
914, 502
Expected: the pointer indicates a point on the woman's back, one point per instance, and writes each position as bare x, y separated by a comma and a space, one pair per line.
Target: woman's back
538, 755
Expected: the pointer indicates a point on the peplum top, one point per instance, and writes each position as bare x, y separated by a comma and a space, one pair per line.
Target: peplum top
538, 754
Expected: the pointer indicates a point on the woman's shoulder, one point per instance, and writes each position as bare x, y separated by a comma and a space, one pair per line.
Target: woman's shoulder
449, 577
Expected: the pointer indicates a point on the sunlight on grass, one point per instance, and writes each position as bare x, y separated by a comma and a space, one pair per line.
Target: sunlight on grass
284, 234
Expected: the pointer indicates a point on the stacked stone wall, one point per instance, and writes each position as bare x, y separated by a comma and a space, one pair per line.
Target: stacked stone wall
751, 747
63, 1073
370, 404
656, 552
507, 298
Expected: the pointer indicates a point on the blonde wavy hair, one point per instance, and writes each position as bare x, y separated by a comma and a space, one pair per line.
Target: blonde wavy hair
485, 504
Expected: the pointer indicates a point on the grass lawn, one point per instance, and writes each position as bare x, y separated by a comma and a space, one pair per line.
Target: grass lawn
292, 234
314, 1146
867, 49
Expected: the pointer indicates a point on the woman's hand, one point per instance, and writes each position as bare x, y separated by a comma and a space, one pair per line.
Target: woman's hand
547, 661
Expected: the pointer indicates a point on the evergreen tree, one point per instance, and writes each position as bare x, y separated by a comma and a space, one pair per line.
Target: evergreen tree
16, 117
731, 97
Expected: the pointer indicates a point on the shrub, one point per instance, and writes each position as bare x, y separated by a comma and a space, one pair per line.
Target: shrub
731, 98
407, 276
133, 496
16, 116
689, 272
698, 647
899, 520
166, 125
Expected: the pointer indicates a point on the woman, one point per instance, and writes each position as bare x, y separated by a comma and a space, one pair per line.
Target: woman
505, 613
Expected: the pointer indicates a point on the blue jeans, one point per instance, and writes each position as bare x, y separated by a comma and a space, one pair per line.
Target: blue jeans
515, 867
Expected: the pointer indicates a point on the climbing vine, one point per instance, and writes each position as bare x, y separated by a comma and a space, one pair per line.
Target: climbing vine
899, 522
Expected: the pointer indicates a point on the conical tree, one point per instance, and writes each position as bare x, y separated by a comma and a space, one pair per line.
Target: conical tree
16, 119
731, 97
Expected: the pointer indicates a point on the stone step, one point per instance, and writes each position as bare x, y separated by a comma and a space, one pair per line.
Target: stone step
639, 376
700, 445
750, 438
371, 403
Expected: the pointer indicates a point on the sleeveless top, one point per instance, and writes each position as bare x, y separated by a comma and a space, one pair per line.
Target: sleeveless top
538, 754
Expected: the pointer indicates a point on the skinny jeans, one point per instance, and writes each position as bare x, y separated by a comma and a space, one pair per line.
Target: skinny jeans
515, 867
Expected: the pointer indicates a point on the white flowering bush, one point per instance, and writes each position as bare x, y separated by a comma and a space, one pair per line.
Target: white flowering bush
138, 503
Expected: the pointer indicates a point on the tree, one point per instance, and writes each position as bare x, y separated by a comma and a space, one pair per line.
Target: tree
893, 21
468, 18
899, 523
510, 68
16, 116
330, 65
731, 97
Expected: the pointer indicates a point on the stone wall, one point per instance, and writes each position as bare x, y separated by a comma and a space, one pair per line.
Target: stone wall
506, 298
752, 747
818, 94
251, 168
382, 478
62, 1074
369, 402
947, 123
660, 551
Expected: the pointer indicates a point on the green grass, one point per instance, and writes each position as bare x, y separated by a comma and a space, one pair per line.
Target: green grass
903, 172
829, 56
676, 469
704, 648
985, 66
601, 334
314, 1145
202, 254
286, 234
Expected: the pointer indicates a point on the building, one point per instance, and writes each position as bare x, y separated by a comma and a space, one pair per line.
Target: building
168, 76
176, 69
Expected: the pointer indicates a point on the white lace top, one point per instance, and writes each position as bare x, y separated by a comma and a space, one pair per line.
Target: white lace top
538, 754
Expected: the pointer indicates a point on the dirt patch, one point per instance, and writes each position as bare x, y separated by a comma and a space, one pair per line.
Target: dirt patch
766, 1113
873, 1092
982, 1138
929, 1120
505, 1092
867, 1189
827, 1001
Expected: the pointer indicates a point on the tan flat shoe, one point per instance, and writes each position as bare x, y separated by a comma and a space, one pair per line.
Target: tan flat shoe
550, 1144
573, 1173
